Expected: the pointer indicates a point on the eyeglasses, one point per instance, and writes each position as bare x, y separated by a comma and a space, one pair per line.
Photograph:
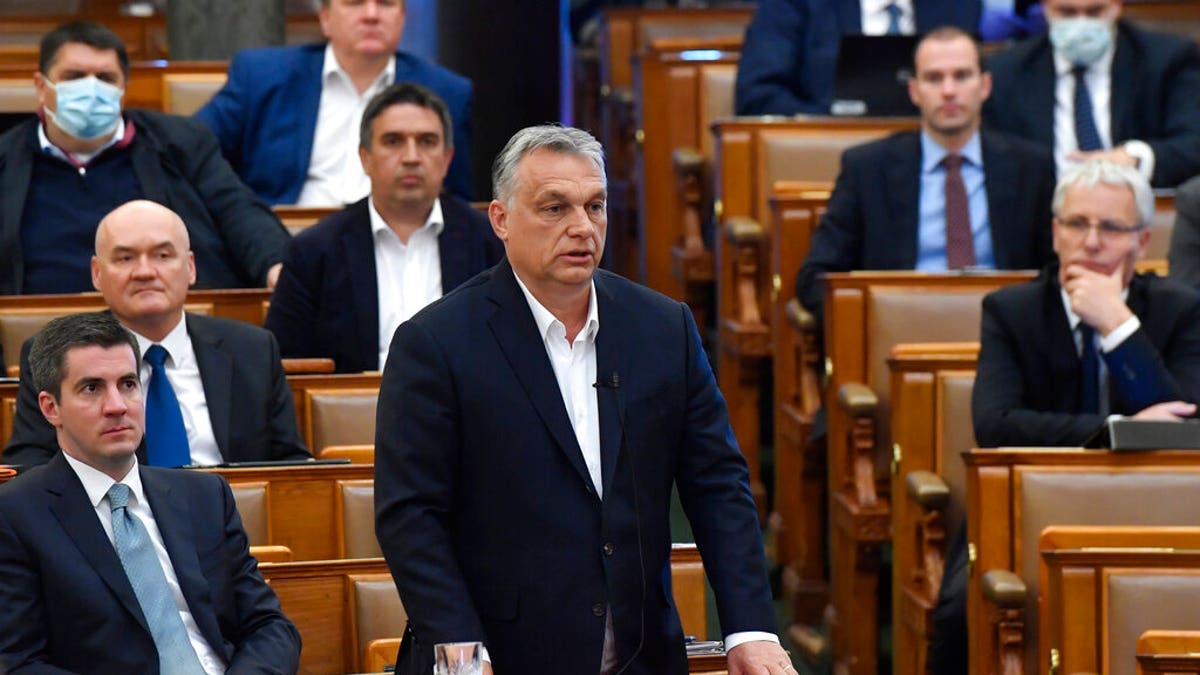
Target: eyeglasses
1107, 229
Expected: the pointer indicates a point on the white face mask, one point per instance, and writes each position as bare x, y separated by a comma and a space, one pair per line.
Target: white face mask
86, 108
1082, 39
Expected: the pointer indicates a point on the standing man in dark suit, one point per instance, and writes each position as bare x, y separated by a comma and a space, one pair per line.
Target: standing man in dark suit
1085, 339
899, 204
110, 567
349, 280
791, 46
287, 115
85, 155
1096, 87
224, 378
531, 426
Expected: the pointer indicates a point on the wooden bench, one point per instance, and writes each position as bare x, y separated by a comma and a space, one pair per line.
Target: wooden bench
867, 314
1165, 652
328, 387
1013, 494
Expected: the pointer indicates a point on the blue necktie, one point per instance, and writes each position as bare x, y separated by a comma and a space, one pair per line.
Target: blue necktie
893, 19
175, 653
1086, 135
166, 437
1089, 371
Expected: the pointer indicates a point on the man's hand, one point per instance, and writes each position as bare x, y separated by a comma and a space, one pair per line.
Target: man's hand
759, 657
1169, 411
1096, 297
1116, 155
273, 275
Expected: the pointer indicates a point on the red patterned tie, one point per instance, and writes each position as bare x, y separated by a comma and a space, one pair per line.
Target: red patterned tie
960, 244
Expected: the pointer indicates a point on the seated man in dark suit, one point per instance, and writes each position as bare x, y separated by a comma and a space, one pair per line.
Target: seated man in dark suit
349, 280
1184, 255
1086, 339
109, 567
903, 202
1096, 87
86, 156
287, 115
791, 47
217, 388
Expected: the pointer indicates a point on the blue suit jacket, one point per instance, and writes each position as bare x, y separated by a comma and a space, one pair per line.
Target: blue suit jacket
326, 303
485, 509
66, 604
266, 115
791, 48
1155, 95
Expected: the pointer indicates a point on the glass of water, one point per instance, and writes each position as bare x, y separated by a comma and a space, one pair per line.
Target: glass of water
458, 658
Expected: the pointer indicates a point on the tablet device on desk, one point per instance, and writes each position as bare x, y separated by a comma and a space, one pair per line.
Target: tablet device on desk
1130, 434
264, 463
872, 76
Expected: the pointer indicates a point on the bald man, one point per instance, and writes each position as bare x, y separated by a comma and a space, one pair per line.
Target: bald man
225, 375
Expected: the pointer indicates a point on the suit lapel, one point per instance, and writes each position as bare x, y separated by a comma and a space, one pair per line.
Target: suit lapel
1122, 95
175, 526
149, 168
453, 251
1037, 105
849, 17
70, 505
903, 172
216, 374
611, 366
515, 330
1063, 354
358, 257
999, 176
18, 170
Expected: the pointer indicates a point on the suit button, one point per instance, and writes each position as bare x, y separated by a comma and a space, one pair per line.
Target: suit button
598, 609
609, 548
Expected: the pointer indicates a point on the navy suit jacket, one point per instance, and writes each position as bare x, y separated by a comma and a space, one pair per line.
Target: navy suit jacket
1155, 95
266, 115
177, 163
1027, 382
791, 48
872, 222
484, 507
326, 303
248, 397
66, 604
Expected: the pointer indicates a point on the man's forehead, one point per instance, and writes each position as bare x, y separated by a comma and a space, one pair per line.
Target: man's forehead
1079, 5
90, 361
81, 55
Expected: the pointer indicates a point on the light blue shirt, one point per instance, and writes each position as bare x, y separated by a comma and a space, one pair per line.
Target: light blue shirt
931, 216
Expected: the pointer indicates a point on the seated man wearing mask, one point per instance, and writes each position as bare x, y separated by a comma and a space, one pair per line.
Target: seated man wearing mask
85, 156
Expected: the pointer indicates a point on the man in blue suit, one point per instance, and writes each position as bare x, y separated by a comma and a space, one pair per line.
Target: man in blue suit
531, 426
349, 280
287, 115
109, 567
791, 46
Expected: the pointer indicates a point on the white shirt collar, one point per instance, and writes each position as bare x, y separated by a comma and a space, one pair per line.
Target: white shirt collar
332, 68
176, 342
81, 157
435, 222
97, 483
547, 321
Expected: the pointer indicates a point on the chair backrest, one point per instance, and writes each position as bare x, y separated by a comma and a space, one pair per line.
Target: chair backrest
355, 507
340, 417
1160, 227
297, 218
253, 504
8, 410
18, 95
717, 84
185, 93
375, 612
19, 324
301, 385
1168, 651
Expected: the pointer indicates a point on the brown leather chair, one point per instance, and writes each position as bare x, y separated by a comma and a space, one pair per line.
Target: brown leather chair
375, 613
8, 410
354, 506
21, 323
18, 95
340, 417
270, 553
1161, 652
297, 218
254, 506
185, 93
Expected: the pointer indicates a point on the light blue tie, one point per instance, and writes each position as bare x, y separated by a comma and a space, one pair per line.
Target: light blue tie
175, 653
893, 19
166, 437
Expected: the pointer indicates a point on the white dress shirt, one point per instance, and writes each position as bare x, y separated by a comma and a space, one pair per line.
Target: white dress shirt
183, 372
335, 173
97, 484
408, 276
1098, 78
875, 17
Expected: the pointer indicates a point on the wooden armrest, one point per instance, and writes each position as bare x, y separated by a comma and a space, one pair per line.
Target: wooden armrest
1004, 589
857, 399
380, 653
927, 489
307, 366
271, 553
741, 230
687, 160
800, 319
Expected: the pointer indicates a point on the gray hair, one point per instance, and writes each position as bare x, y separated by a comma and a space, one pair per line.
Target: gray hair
567, 140
1094, 172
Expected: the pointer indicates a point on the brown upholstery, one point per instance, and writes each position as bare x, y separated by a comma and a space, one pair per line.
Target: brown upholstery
8, 410
1160, 228
301, 385
18, 325
185, 93
297, 218
716, 99
381, 653
355, 507
1168, 651
254, 505
958, 436
1137, 602
375, 611
18, 95
340, 417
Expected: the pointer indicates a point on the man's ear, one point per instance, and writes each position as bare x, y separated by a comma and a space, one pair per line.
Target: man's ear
49, 407
499, 217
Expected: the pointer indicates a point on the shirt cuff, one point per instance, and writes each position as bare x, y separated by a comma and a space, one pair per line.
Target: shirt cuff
1144, 154
484, 655
734, 639
1120, 334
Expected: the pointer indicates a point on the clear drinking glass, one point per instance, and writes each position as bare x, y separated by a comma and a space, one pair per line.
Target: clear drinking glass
458, 658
